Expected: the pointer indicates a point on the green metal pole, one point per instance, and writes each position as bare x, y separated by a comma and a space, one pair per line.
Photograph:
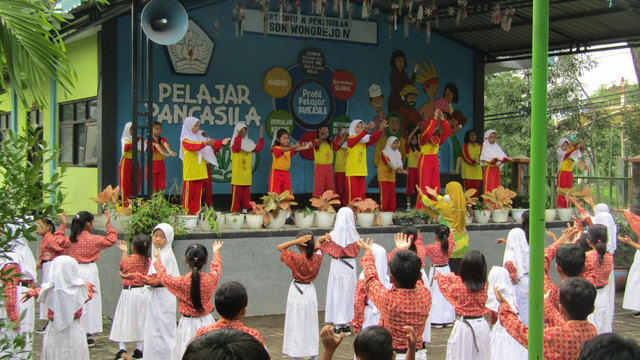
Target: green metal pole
540, 47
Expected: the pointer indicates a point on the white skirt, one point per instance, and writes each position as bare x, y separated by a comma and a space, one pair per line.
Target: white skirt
420, 355
611, 304
45, 278
128, 320
442, 312
426, 334
599, 316
461, 341
68, 343
371, 315
341, 288
91, 318
186, 331
522, 299
159, 324
301, 336
632, 290
504, 346
26, 324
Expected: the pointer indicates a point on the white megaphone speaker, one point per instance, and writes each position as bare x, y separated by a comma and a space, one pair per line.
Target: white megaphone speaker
164, 21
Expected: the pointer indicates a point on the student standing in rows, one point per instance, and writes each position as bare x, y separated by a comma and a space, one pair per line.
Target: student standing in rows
323, 149
412, 149
85, 248
365, 313
280, 179
301, 317
433, 134
356, 171
568, 155
126, 164
195, 152
390, 164
242, 149
160, 145
492, 158
52, 245
598, 265
442, 312
471, 165
516, 261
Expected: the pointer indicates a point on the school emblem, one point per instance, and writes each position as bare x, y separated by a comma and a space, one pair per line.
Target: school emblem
192, 54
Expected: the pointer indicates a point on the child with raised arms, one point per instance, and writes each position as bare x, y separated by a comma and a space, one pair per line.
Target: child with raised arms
52, 245
242, 149
280, 179
365, 313
357, 142
390, 164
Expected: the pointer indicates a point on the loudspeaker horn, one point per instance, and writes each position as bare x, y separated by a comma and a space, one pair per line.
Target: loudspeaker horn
164, 21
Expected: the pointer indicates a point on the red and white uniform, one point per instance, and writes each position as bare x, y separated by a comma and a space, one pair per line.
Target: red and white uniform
492, 158
51, 246
442, 312
128, 319
356, 168
598, 274
280, 179
566, 162
323, 165
429, 166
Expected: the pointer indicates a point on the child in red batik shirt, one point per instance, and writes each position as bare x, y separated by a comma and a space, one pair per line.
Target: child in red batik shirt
52, 245
597, 267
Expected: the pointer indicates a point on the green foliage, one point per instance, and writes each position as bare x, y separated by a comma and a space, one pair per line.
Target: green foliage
146, 214
211, 215
623, 257
306, 211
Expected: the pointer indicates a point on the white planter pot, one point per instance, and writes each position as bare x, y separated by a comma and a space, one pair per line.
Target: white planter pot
119, 222
304, 221
277, 222
516, 214
220, 218
325, 219
255, 221
565, 214
204, 225
365, 219
235, 221
190, 221
549, 215
386, 218
469, 219
482, 216
499, 216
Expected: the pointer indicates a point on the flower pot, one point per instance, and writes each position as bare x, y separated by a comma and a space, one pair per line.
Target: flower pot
189, 221
277, 222
205, 225
235, 221
549, 215
220, 218
119, 222
565, 214
516, 214
255, 221
482, 216
365, 219
325, 219
499, 216
417, 220
386, 218
304, 221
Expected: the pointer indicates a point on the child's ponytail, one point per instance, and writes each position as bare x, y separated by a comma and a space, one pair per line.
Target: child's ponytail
412, 234
597, 235
442, 233
141, 245
196, 256
310, 246
78, 224
50, 224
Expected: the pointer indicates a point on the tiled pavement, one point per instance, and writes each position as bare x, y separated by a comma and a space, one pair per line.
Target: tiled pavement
271, 327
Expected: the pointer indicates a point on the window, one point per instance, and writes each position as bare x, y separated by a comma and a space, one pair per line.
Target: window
79, 132
5, 125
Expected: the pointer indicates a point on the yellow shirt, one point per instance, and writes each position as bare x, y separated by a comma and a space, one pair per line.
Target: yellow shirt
471, 171
283, 162
413, 157
429, 148
567, 165
241, 168
191, 168
357, 160
384, 171
341, 160
382, 143
127, 154
324, 155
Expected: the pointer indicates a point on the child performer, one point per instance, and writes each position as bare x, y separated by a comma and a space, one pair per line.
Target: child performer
64, 295
442, 312
412, 149
52, 245
516, 261
193, 291
301, 317
160, 144
207, 187
126, 164
241, 151
433, 134
390, 164
366, 314
280, 179
341, 166
570, 260
323, 149
85, 249
471, 167
128, 320
598, 266
567, 156
195, 148
470, 337
358, 141
341, 245
632, 289
503, 345
492, 158
569, 327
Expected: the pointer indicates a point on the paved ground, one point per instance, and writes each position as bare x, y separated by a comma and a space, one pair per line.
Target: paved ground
271, 327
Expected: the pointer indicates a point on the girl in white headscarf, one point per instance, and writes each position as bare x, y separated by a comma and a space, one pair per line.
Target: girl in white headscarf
64, 294
357, 142
126, 164
195, 152
567, 157
365, 312
492, 157
516, 261
390, 164
241, 165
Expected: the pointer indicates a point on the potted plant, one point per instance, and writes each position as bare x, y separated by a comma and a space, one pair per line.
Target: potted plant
110, 200
577, 194
304, 218
549, 212
481, 212
520, 205
325, 213
146, 214
209, 220
235, 220
276, 207
500, 200
190, 222
416, 217
365, 211
256, 218
386, 218
401, 218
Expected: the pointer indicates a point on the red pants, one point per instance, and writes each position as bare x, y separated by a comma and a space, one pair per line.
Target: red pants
341, 187
126, 181
241, 196
565, 181
322, 179
429, 174
206, 187
490, 178
412, 181
192, 195
159, 176
387, 195
473, 184
355, 188
279, 181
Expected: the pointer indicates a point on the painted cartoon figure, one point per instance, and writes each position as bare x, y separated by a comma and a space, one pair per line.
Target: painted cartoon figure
408, 112
376, 100
398, 79
430, 82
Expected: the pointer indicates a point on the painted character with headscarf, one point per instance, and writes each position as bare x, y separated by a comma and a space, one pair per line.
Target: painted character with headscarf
241, 153
195, 151
390, 164
567, 156
433, 134
398, 79
492, 158
126, 164
357, 142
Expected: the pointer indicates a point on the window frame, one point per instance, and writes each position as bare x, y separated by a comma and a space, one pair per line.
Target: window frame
79, 152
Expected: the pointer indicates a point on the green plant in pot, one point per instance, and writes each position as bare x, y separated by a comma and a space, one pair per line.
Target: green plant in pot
210, 215
326, 201
146, 214
365, 209
304, 217
273, 203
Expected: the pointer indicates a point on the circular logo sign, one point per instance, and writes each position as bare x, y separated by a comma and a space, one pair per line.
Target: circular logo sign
311, 103
278, 119
277, 82
343, 85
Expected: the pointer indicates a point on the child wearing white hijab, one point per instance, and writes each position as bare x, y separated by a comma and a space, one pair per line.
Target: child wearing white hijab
126, 164
356, 169
516, 261
492, 157
194, 148
365, 312
390, 164
567, 157
241, 165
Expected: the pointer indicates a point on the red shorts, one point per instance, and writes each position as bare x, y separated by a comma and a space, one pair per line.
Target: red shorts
387, 195
241, 197
355, 188
565, 181
322, 179
279, 181
159, 175
341, 187
412, 181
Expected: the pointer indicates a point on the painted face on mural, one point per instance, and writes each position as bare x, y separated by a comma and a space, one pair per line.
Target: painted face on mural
565, 146
492, 138
394, 125
196, 127
377, 103
448, 95
431, 90
454, 124
400, 63
410, 100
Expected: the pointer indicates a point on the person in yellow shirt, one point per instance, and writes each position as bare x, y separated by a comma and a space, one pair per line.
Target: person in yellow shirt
280, 179
434, 132
241, 151
412, 149
471, 167
341, 166
357, 143
390, 164
568, 155
323, 149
